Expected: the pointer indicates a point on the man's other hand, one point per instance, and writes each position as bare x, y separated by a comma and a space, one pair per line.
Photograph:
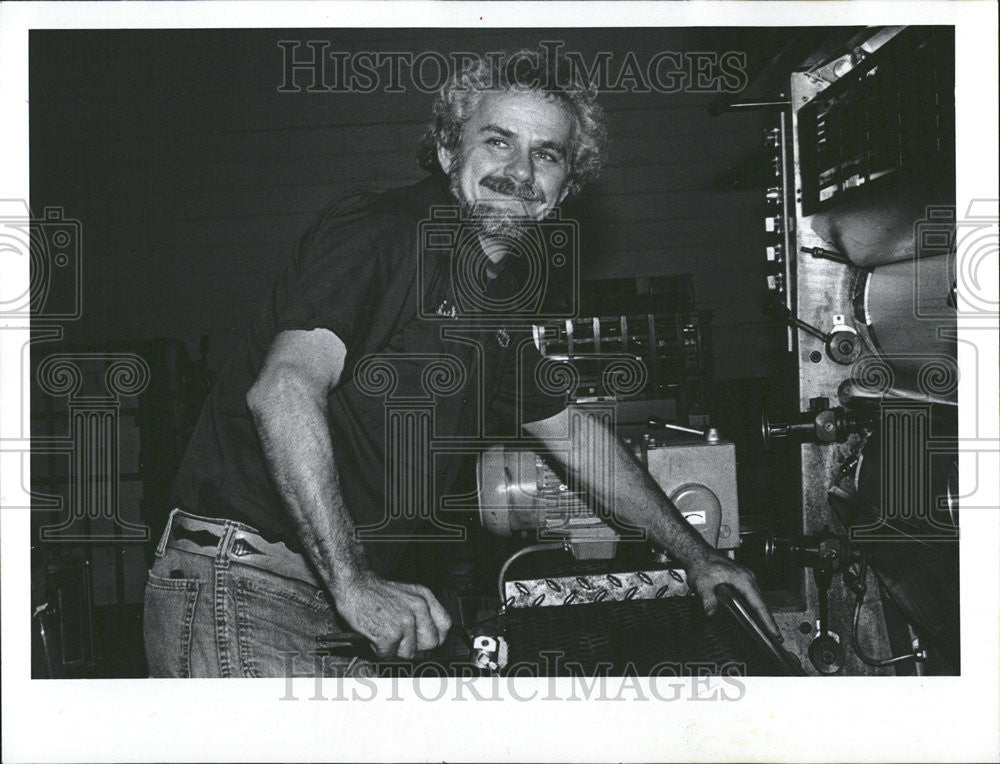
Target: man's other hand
398, 618
714, 569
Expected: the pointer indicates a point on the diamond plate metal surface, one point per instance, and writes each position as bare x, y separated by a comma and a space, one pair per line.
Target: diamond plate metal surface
593, 588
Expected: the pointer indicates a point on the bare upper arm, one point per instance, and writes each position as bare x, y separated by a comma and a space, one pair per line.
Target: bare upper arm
313, 359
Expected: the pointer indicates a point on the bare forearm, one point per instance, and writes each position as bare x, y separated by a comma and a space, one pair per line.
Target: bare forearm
288, 401
292, 426
637, 500
631, 495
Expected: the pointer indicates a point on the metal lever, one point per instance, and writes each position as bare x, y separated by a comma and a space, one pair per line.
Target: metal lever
842, 344
827, 555
777, 311
490, 655
341, 639
826, 254
657, 423
825, 651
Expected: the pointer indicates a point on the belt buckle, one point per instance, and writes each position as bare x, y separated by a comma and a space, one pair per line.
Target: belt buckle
241, 548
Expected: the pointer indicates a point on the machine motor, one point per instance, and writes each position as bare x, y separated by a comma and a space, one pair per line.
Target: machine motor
520, 493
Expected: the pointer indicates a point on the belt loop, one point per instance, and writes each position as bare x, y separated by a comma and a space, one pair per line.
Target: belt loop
161, 548
225, 544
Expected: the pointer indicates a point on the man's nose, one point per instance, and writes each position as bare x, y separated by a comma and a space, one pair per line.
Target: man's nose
520, 168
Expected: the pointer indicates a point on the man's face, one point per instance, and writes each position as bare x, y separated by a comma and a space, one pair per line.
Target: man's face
512, 163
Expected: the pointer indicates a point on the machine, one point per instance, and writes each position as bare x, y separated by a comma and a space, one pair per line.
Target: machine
520, 494
860, 259
863, 222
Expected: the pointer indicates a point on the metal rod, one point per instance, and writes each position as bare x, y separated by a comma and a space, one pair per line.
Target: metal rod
826, 254
758, 104
808, 328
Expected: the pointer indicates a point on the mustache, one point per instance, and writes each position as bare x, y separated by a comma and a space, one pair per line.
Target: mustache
523, 191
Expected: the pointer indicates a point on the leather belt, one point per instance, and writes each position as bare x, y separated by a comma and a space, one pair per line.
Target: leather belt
197, 535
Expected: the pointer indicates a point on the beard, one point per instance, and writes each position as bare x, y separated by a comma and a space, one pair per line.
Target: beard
507, 220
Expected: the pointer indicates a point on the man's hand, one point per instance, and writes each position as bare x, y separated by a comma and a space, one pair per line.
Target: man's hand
397, 618
713, 569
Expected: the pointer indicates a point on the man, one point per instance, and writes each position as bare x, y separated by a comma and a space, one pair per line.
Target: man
289, 522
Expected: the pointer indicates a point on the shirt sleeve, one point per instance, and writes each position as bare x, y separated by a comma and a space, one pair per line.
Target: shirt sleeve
352, 274
526, 393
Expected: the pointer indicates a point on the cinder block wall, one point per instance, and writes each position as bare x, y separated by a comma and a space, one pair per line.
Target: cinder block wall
194, 177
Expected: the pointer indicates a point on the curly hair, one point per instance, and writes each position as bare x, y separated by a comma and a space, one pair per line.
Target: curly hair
525, 70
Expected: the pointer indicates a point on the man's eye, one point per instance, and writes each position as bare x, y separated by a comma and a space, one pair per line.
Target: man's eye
498, 142
546, 156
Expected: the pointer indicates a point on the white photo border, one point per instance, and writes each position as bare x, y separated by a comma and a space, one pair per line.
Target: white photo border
851, 718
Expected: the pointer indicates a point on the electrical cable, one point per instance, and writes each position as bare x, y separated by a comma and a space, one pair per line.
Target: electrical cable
861, 588
859, 592
545, 547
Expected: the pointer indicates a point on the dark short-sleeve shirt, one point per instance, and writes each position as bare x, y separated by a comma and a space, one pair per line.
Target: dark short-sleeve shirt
429, 378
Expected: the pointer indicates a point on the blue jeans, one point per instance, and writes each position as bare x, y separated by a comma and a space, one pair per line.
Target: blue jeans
211, 615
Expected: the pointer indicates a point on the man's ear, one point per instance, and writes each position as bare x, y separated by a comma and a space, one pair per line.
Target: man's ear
445, 158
